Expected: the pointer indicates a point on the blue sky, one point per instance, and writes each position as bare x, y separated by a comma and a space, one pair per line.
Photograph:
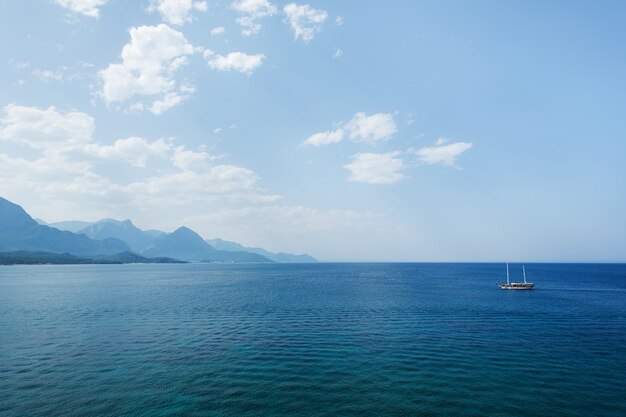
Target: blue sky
399, 131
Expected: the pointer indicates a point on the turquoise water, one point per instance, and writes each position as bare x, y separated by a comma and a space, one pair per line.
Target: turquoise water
312, 340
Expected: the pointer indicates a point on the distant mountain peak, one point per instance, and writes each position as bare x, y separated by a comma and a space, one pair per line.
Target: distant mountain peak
184, 231
12, 216
224, 245
18, 231
124, 230
115, 221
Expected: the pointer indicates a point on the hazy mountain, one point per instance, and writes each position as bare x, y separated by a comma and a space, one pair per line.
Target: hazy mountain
154, 233
18, 231
70, 225
116, 239
276, 257
187, 245
125, 230
291, 258
48, 258
133, 258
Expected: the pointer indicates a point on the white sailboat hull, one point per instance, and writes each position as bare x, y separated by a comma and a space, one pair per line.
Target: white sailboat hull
517, 286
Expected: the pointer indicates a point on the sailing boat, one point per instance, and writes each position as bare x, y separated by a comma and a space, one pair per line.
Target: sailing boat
516, 285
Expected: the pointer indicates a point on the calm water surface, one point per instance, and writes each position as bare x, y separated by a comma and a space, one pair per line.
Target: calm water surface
312, 340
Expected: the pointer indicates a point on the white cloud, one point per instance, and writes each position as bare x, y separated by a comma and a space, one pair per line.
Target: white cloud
159, 183
86, 7
69, 164
134, 149
441, 153
371, 129
147, 69
339, 21
361, 128
250, 11
234, 61
376, 168
218, 31
338, 53
177, 12
44, 128
188, 185
305, 21
171, 99
325, 138
188, 160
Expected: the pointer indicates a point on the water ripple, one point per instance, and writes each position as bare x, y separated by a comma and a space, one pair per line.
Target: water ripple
318, 340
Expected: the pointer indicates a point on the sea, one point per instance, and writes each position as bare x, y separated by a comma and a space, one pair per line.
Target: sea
344, 339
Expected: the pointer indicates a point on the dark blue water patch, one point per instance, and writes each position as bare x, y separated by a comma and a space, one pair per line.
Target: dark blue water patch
312, 340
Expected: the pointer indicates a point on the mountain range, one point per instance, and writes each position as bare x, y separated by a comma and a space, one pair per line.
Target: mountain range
282, 257
18, 231
121, 241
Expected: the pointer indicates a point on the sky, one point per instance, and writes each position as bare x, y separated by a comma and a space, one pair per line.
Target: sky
365, 131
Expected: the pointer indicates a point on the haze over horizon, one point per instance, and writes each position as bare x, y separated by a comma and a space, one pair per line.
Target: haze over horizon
420, 131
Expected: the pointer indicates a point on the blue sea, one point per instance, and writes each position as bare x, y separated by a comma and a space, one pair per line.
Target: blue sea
312, 340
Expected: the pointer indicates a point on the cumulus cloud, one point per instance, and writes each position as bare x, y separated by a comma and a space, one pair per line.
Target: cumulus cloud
159, 183
44, 128
188, 160
250, 12
68, 164
376, 168
188, 186
304, 20
85, 7
372, 129
325, 138
134, 149
234, 61
442, 152
177, 12
149, 62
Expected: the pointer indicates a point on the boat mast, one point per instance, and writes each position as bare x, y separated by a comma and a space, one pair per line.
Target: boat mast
524, 269
507, 274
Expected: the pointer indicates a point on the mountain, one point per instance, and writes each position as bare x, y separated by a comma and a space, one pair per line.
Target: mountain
48, 258
18, 231
122, 241
187, 245
125, 231
70, 225
225, 245
133, 258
